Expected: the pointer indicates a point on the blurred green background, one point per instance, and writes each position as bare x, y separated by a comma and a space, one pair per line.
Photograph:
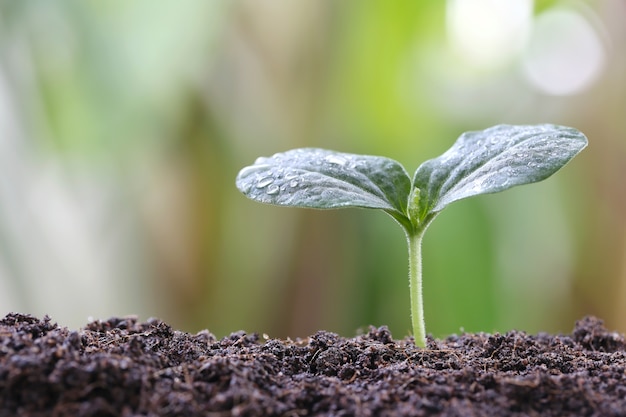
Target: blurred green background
124, 123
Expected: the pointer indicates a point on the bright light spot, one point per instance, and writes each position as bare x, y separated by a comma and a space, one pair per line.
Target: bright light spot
565, 54
488, 33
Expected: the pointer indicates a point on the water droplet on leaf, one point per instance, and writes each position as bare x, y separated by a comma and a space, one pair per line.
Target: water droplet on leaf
273, 189
264, 182
336, 159
245, 187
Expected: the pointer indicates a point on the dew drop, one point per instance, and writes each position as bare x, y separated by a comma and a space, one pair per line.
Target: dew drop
245, 187
273, 189
264, 182
336, 159
293, 183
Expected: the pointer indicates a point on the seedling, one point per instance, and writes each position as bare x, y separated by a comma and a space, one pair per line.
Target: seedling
481, 162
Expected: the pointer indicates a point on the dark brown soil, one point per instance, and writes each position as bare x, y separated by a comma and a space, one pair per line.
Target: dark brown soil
122, 367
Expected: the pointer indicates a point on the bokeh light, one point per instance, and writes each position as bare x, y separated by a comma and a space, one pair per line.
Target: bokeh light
565, 54
488, 34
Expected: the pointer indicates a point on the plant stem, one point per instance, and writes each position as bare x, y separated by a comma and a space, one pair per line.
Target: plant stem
414, 239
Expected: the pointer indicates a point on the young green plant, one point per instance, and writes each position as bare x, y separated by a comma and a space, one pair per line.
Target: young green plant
481, 162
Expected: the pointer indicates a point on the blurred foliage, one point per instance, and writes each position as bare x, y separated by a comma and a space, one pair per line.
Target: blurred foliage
124, 123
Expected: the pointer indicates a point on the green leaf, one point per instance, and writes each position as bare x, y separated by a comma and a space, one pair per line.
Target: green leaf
323, 179
494, 160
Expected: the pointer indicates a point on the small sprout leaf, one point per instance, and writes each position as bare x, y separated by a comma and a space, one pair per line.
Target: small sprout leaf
323, 179
494, 160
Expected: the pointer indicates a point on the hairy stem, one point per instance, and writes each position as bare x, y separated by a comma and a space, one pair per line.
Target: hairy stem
414, 239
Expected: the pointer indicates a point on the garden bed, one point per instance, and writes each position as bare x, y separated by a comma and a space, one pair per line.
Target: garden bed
124, 367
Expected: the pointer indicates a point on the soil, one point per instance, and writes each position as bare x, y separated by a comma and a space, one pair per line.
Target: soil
121, 367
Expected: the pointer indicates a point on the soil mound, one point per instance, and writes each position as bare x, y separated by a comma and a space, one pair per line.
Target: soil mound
121, 367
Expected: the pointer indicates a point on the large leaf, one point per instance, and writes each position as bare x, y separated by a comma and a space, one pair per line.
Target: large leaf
494, 160
323, 179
